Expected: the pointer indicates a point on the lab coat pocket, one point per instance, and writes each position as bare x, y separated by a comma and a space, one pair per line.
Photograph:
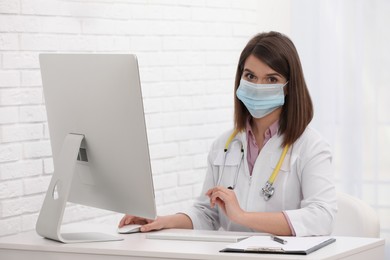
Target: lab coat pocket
227, 167
232, 158
287, 164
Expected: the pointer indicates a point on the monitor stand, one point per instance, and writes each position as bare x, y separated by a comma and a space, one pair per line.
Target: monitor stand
53, 208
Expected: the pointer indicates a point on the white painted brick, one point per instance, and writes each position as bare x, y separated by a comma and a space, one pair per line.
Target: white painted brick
245, 31
219, 115
147, 12
10, 152
46, 133
221, 58
151, 74
43, 24
14, 207
218, 29
157, 166
219, 3
153, 121
9, 78
152, 59
219, 87
31, 78
155, 136
121, 27
191, 58
112, 43
192, 28
193, 117
9, 41
159, 198
37, 149
165, 181
21, 60
191, 147
190, 177
145, 43
20, 169
29, 221
160, 89
9, 115
171, 119
224, 101
30, 114
80, 9
170, 164
65, 43
36, 184
163, 120
177, 194
153, 105
200, 160
177, 104
197, 190
10, 226
163, 28
9, 7
176, 12
192, 89
19, 96
214, 14
173, 134
10, 189
175, 43
15, 133
48, 166
185, 163
158, 151
245, 4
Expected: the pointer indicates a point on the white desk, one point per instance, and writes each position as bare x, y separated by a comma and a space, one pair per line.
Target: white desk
30, 246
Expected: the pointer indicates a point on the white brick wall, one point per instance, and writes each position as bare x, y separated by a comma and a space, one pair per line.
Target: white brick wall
187, 52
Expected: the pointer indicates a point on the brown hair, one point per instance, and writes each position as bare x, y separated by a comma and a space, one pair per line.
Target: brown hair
279, 53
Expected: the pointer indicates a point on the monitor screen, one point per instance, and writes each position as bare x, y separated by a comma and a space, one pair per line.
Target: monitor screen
98, 97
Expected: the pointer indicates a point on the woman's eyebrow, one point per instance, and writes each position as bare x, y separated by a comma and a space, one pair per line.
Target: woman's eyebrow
248, 70
274, 74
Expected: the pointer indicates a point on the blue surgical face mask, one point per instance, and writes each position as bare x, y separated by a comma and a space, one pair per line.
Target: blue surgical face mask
260, 99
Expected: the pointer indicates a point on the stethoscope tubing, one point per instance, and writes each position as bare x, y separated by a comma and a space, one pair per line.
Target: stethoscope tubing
268, 190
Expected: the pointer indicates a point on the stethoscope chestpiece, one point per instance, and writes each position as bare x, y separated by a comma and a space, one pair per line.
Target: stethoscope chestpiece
267, 191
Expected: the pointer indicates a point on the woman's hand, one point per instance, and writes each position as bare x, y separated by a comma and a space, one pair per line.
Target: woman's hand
226, 199
151, 224
129, 219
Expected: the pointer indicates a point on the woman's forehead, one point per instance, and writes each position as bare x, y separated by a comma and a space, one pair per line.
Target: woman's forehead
257, 66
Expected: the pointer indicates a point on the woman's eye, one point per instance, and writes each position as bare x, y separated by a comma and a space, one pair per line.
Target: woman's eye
272, 80
250, 76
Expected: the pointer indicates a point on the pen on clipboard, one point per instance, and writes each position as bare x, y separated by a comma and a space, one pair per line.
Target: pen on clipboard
279, 240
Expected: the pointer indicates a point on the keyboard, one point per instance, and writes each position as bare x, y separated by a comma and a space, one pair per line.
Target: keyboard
196, 237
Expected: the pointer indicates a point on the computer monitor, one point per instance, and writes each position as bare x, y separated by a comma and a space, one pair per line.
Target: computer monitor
98, 139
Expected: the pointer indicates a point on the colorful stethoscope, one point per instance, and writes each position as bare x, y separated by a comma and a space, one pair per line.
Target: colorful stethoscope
268, 190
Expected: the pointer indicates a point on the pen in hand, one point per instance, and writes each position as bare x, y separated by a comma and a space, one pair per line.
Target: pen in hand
279, 240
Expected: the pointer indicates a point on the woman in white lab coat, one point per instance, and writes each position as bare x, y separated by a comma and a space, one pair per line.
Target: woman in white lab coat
244, 189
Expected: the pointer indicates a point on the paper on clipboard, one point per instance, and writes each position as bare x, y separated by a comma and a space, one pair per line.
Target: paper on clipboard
294, 245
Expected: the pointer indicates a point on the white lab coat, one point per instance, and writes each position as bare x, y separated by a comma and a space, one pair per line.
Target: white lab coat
304, 188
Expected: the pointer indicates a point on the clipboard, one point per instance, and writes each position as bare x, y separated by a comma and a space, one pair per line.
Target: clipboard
265, 245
